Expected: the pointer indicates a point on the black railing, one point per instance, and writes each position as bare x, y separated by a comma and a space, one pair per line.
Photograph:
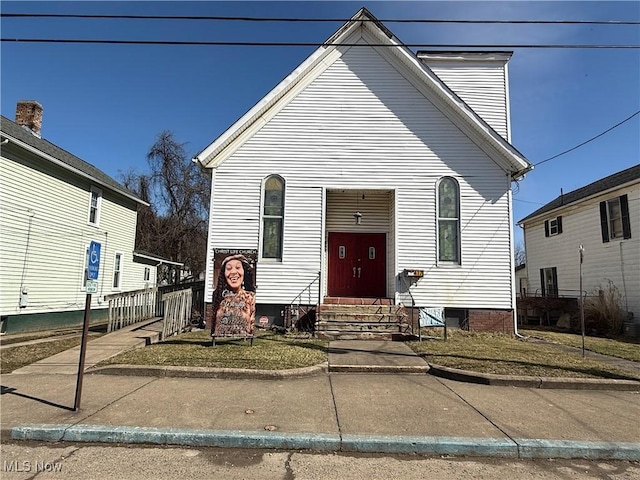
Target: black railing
300, 314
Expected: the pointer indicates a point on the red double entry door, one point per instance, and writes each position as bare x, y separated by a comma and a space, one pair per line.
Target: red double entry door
357, 265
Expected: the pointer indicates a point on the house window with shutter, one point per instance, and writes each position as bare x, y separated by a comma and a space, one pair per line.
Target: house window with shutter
273, 217
553, 227
549, 282
448, 221
95, 202
85, 272
614, 219
117, 271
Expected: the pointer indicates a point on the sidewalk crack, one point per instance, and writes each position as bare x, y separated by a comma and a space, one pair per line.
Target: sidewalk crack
481, 414
335, 409
154, 379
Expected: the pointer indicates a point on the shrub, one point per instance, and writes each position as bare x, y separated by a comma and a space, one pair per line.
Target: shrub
603, 311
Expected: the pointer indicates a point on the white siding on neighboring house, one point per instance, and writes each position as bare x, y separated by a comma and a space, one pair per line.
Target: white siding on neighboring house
362, 125
616, 260
44, 218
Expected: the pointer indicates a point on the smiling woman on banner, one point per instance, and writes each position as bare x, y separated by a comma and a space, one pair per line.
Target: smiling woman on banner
234, 300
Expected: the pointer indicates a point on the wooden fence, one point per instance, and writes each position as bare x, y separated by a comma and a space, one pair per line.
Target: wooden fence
177, 312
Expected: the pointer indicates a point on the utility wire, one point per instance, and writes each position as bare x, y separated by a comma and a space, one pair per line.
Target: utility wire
284, 19
296, 44
590, 140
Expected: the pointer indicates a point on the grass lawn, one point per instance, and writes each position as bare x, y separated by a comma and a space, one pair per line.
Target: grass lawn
269, 352
15, 357
503, 355
626, 348
481, 352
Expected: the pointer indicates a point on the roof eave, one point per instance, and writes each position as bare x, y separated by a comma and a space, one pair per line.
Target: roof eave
69, 168
205, 157
552, 211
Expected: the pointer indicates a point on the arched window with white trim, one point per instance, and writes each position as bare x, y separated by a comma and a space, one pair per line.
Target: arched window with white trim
448, 221
273, 217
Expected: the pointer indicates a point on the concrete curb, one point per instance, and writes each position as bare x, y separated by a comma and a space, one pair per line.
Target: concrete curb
534, 382
207, 372
419, 370
324, 368
457, 446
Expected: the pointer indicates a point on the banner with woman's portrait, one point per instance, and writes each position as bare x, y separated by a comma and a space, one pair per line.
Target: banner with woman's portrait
234, 293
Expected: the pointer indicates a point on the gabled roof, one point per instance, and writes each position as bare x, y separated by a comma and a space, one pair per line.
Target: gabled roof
501, 150
48, 151
155, 258
612, 181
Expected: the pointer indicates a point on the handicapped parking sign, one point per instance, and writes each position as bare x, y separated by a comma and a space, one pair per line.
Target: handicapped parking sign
94, 261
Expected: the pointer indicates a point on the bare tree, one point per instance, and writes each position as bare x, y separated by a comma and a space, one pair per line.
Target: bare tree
519, 254
174, 226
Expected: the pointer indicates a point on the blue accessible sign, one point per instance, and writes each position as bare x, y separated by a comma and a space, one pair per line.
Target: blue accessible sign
94, 261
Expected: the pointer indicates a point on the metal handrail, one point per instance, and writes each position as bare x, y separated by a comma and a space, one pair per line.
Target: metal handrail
297, 300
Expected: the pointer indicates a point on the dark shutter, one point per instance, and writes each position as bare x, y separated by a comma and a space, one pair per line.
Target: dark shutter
604, 224
559, 219
626, 224
542, 281
546, 228
554, 272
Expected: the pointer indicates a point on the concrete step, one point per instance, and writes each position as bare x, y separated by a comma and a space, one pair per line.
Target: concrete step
339, 335
362, 309
360, 317
357, 301
360, 326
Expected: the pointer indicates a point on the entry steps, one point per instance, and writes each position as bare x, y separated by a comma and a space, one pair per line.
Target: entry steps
362, 322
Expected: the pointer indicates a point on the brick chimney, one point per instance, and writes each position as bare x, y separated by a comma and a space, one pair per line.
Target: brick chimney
29, 114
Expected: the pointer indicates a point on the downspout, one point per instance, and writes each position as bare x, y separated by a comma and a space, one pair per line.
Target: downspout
512, 271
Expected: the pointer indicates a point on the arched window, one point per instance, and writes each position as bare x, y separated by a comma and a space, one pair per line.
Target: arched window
448, 220
273, 217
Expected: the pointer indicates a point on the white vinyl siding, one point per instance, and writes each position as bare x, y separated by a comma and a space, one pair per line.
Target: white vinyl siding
43, 219
362, 125
618, 261
480, 84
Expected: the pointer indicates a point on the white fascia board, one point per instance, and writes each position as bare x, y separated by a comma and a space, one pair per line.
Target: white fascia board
568, 207
69, 168
159, 260
256, 117
473, 56
513, 160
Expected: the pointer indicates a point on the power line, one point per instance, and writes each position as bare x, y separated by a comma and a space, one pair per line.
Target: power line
296, 19
297, 44
590, 140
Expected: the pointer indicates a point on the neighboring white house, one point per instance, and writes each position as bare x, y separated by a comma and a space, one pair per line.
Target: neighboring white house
603, 217
52, 205
364, 164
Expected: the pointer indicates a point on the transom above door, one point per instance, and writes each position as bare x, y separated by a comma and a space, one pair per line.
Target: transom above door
357, 265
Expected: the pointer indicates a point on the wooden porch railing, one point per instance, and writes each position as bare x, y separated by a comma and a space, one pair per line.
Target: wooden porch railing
136, 306
177, 312
131, 307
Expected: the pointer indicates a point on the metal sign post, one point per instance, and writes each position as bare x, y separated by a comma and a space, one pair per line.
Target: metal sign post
92, 287
581, 250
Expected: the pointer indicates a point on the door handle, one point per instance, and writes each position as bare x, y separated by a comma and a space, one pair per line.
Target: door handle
359, 271
354, 272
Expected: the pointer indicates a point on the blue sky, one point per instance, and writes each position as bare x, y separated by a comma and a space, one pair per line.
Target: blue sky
107, 103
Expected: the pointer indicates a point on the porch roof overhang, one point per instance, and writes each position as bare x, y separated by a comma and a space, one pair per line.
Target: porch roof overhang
499, 149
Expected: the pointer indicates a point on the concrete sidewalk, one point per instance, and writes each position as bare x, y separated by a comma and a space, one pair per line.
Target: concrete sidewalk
357, 412
98, 349
371, 397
